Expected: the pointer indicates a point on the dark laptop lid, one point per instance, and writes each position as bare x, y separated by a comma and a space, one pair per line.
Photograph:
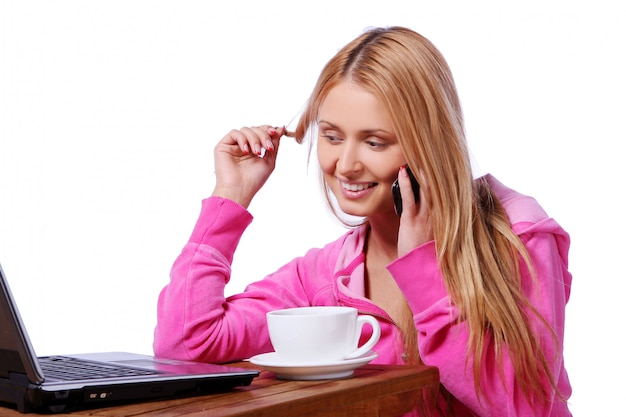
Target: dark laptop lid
17, 356
22, 379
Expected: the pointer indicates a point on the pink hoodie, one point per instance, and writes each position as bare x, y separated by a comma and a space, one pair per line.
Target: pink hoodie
196, 321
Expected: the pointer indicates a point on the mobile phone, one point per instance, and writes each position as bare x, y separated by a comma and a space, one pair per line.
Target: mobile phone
395, 190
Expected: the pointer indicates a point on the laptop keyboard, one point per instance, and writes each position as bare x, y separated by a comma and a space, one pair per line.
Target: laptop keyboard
63, 368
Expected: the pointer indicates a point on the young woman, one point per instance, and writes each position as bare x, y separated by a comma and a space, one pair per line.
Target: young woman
471, 278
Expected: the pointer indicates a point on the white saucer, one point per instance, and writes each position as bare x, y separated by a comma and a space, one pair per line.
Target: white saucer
309, 372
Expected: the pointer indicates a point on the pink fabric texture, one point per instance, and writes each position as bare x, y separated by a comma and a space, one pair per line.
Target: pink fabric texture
197, 322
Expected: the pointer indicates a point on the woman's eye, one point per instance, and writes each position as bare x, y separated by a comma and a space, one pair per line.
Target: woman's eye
331, 138
376, 144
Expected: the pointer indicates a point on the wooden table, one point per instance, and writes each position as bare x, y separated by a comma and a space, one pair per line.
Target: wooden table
374, 390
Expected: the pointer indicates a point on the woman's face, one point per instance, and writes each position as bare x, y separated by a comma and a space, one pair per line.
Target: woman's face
358, 151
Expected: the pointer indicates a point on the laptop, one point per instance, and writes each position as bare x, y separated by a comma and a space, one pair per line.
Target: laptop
59, 383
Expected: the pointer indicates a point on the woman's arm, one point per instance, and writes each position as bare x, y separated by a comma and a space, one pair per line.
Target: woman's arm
443, 340
194, 319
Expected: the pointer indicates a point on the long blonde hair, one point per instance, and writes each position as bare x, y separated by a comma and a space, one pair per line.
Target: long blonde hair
478, 252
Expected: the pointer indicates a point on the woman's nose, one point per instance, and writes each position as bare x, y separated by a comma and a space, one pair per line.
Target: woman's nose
348, 160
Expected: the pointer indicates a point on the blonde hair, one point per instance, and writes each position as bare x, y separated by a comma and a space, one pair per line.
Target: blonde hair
478, 252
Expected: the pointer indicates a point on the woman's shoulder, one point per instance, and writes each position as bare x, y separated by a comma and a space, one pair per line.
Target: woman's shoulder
520, 208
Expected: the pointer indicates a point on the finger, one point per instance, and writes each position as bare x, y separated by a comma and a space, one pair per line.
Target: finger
284, 132
256, 140
424, 194
237, 139
272, 142
263, 138
275, 134
251, 140
406, 191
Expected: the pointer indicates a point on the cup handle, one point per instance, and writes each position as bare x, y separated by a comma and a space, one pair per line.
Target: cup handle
360, 321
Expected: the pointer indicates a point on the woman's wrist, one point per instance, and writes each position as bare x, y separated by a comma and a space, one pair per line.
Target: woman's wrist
235, 194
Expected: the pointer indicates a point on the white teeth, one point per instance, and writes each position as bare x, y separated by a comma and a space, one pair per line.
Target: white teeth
356, 187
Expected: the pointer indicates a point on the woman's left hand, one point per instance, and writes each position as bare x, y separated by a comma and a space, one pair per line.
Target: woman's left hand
415, 224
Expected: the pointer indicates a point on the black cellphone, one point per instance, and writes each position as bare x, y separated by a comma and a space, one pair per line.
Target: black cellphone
395, 190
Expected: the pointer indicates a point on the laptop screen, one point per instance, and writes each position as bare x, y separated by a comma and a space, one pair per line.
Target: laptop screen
17, 355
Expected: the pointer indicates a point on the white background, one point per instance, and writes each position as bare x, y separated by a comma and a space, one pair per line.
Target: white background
109, 112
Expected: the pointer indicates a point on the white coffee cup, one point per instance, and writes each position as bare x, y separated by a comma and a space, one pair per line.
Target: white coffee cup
321, 334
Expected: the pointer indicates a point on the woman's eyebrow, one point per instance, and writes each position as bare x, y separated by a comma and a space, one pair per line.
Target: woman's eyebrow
327, 123
367, 131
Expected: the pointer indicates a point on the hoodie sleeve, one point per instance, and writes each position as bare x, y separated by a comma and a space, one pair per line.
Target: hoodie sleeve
194, 319
443, 339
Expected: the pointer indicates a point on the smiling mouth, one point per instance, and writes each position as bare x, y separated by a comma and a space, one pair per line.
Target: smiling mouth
357, 187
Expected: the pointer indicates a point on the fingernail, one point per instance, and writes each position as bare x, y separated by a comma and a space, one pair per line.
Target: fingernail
246, 149
269, 145
272, 130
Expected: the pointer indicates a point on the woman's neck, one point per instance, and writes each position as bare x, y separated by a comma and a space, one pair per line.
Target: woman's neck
382, 239
381, 288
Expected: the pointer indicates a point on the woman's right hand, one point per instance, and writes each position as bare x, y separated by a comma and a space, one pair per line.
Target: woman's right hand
415, 223
244, 160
